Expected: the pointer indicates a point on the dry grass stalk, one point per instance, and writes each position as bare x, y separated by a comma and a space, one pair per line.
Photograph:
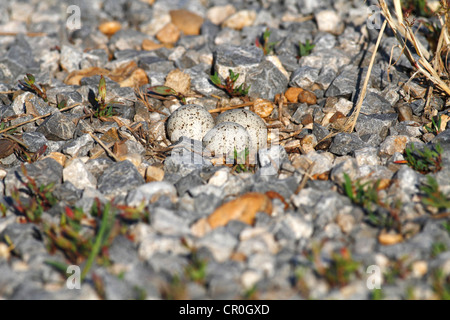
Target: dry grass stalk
351, 122
38, 117
403, 32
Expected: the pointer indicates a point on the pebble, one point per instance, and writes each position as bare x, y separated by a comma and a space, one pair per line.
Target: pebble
240, 19
186, 21
168, 34
219, 14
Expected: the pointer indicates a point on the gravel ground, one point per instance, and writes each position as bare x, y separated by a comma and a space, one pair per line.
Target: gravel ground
317, 216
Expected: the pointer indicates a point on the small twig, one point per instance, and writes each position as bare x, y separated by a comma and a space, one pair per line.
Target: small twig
232, 107
104, 147
16, 140
28, 34
305, 178
37, 118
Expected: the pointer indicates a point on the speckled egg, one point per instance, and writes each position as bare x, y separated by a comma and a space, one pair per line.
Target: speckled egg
253, 123
192, 121
225, 137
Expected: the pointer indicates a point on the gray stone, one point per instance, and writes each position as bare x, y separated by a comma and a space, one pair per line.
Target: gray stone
71, 58
319, 131
123, 251
153, 64
418, 106
150, 190
285, 187
21, 52
98, 166
375, 124
228, 36
443, 139
67, 192
168, 223
326, 77
44, 172
118, 178
201, 82
34, 140
344, 143
349, 166
266, 81
191, 180
367, 156
219, 242
374, 103
239, 59
294, 227
79, 147
333, 59
88, 199
27, 100
349, 80
270, 159
77, 173
168, 263
26, 238
304, 77
57, 127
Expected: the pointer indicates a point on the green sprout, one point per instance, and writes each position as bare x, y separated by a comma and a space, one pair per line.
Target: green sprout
367, 196
441, 284
433, 196
263, 43
435, 126
167, 91
229, 85
29, 83
425, 161
41, 198
305, 49
416, 7
104, 109
241, 160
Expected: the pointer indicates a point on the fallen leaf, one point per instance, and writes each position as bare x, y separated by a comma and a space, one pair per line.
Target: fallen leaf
127, 75
242, 209
6, 147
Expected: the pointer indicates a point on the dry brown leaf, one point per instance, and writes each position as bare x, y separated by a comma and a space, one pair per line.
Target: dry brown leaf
137, 78
6, 148
243, 209
127, 75
74, 78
